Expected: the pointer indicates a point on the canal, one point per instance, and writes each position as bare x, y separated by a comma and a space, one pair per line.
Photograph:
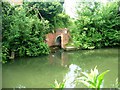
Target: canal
40, 72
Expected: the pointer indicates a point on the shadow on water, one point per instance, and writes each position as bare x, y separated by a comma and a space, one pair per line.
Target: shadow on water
40, 72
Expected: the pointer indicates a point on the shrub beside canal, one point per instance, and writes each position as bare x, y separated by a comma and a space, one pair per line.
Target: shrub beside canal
97, 25
22, 34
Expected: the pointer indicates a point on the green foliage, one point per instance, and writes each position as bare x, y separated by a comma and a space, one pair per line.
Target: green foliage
46, 10
7, 11
97, 25
21, 33
61, 21
93, 79
5, 53
24, 27
59, 86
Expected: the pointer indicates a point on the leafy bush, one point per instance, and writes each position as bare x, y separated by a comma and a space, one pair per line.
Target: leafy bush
22, 34
97, 25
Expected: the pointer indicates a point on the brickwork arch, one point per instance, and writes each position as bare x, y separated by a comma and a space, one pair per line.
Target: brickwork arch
58, 40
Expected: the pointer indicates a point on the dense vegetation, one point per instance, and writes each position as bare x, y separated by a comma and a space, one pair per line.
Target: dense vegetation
23, 34
51, 11
97, 25
24, 27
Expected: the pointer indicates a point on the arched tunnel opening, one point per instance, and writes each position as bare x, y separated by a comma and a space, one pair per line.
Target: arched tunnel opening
58, 41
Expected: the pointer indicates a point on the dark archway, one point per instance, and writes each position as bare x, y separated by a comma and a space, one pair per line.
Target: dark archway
58, 41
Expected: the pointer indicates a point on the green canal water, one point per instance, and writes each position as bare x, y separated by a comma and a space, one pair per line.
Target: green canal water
40, 72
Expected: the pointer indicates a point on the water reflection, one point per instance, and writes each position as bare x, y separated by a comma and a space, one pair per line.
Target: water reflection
71, 76
20, 86
59, 57
40, 72
87, 59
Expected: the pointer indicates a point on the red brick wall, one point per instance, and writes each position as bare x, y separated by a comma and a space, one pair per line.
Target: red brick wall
51, 37
65, 39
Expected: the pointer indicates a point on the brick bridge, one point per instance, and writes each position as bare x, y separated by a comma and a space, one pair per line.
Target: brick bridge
59, 38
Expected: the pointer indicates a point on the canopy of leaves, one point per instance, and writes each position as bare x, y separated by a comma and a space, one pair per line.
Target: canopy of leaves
21, 33
98, 25
47, 10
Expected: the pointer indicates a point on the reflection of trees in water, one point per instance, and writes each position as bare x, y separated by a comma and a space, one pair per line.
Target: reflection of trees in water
64, 58
59, 63
80, 57
30, 71
60, 58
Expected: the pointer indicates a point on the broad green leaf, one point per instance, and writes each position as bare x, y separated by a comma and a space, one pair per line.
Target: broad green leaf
100, 78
